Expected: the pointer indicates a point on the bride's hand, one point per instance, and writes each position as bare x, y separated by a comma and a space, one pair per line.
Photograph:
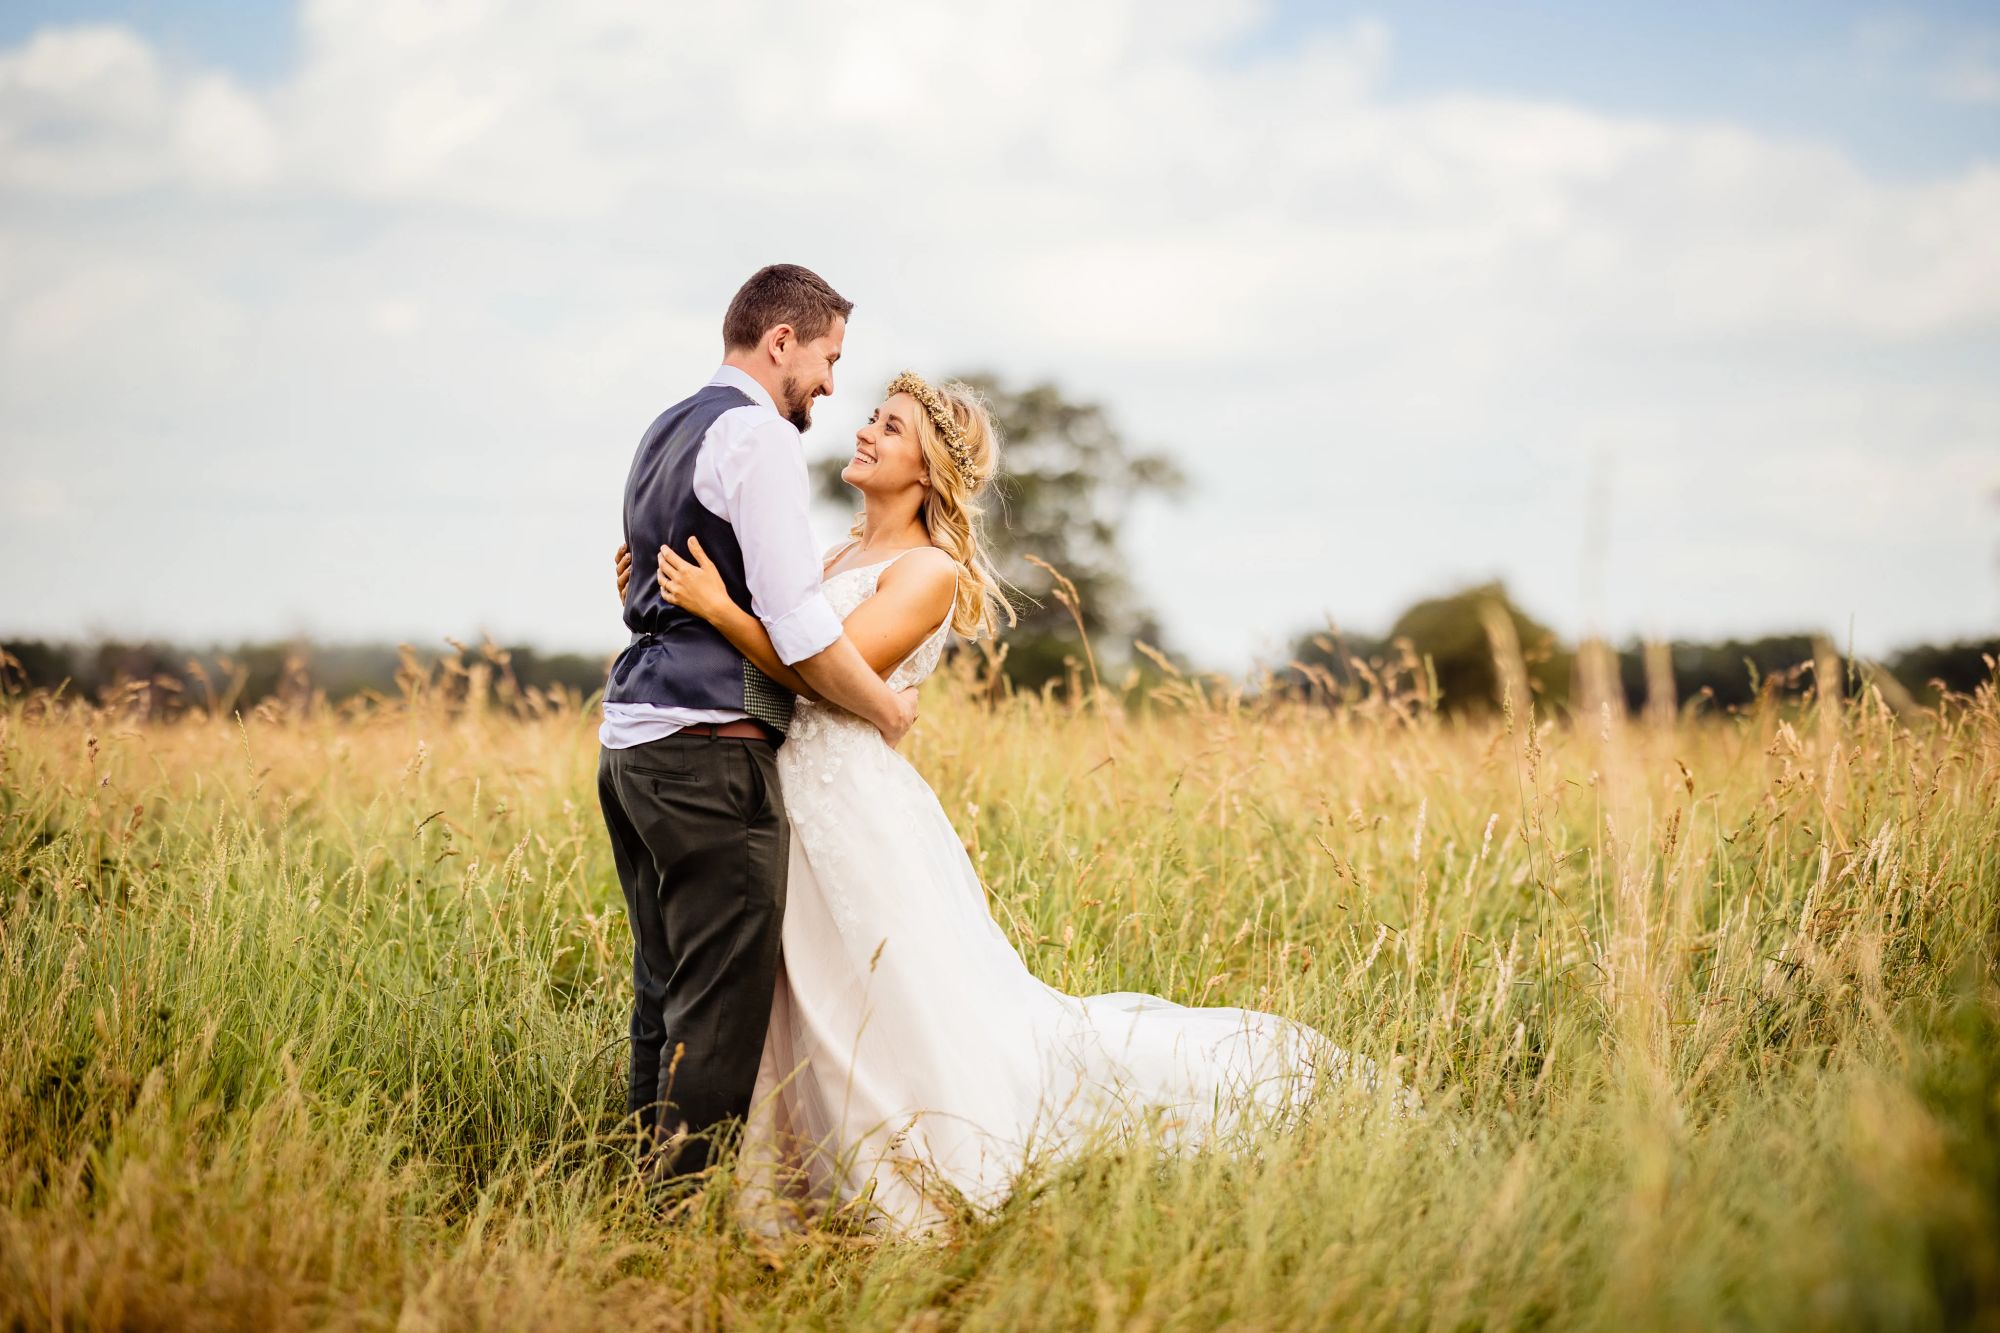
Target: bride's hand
693, 586
623, 560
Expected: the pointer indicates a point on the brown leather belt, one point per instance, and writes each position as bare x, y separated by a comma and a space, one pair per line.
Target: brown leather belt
742, 728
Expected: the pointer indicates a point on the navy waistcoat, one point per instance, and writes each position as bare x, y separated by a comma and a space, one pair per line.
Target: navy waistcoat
675, 659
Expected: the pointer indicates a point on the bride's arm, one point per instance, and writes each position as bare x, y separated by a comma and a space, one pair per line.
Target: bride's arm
694, 586
912, 599
913, 596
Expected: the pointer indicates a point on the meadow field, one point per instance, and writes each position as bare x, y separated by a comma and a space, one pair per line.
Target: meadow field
315, 1017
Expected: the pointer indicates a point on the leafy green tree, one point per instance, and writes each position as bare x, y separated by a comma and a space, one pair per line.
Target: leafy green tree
1068, 479
1956, 668
1451, 632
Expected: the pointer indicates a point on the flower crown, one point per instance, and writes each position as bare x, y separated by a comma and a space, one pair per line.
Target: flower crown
939, 412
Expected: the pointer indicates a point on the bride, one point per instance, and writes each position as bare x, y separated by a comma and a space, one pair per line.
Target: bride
912, 1059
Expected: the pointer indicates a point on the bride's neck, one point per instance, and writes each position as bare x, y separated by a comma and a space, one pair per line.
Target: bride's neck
895, 522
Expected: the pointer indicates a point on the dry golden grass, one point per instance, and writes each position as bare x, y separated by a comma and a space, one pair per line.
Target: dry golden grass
316, 1018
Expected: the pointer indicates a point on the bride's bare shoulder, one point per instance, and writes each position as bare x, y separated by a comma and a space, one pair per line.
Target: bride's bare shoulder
922, 563
929, 572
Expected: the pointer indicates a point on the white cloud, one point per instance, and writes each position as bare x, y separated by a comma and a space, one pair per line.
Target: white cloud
421, 296
225, 137
79, 112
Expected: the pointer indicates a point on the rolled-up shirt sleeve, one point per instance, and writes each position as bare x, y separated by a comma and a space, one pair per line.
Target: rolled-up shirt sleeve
764, 484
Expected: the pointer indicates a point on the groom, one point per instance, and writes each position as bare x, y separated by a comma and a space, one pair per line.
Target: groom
687, 777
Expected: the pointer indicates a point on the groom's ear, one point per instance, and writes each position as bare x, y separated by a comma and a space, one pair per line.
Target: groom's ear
778, 340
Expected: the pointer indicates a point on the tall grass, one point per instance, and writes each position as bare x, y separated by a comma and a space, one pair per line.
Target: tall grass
316, 1017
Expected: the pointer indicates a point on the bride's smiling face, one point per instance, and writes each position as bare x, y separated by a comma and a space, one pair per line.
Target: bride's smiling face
888, 457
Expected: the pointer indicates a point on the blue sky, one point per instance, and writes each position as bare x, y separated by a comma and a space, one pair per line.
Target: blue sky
1860, 74
383, 280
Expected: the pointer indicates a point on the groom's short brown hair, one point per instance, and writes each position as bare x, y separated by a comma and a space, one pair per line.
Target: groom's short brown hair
782, 294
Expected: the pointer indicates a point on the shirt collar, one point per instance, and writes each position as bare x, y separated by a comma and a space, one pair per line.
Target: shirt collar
740, 379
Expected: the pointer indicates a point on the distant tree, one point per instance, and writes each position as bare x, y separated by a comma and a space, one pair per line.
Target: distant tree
1724, 675
1322, 662
238, 678
1068, 479
34, 664
1959, 668
1451, 632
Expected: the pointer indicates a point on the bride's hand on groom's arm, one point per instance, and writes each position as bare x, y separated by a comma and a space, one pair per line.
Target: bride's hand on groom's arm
694, 585
623, 563
697, 588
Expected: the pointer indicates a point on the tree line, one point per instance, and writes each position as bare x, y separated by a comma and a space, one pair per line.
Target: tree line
1069, 478
1441, 649
1446, 645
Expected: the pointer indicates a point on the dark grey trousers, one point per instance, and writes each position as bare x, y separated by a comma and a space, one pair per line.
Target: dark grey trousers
698, 831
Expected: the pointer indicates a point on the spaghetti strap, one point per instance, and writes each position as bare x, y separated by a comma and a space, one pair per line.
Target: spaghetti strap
949, 610
826, 562
881, 567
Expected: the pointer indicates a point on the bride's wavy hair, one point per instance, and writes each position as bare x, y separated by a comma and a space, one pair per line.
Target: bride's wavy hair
952, 513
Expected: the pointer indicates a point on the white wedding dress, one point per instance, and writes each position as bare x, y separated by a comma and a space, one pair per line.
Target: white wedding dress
912, 1056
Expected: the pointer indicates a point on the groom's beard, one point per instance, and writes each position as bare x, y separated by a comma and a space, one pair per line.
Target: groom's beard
797, 406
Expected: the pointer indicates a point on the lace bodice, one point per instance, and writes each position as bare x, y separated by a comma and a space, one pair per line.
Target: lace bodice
848, 589
823, 738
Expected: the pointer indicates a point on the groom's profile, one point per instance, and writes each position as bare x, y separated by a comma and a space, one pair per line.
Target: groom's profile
687, 777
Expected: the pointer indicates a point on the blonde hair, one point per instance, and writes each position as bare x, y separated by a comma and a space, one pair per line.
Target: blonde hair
959, 471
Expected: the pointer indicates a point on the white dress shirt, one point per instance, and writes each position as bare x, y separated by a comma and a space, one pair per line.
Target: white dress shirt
750, 471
